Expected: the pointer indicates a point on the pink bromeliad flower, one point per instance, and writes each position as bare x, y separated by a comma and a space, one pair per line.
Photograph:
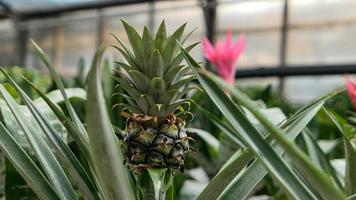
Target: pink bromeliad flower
224, 55
351, 89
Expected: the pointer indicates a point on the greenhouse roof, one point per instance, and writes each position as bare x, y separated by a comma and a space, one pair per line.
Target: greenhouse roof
37, 8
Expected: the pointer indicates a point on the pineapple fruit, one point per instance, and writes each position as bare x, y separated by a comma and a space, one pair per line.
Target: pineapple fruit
155, 82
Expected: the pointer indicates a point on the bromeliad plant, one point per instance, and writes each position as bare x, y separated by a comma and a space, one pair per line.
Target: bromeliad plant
224, 55
140, 161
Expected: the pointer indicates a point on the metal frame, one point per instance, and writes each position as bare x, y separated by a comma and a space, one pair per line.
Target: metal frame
297, 70
283, 45
40, 13
209, 9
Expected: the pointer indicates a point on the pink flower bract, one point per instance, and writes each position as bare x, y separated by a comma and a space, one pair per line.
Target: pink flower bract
351, 90
224, 55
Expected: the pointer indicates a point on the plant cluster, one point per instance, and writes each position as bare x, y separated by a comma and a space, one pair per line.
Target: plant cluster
136, 137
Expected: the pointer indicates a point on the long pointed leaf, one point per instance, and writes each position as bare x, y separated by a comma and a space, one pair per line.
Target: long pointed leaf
318, 178
68, 124
321, 157
245, 182
350, 154
25, 166
60, 85
48, 161
65, 154
106, 155
253, 138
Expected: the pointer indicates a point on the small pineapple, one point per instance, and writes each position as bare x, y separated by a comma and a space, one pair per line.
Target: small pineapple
155, 80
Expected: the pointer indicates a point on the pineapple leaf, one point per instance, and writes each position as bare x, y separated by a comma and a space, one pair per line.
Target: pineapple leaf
122, 44
133, 109
185, 114
130, 59
172, 46
156, 87
161, 37
182, 81
122, 80
127, 98
185, 38
121, 64
179, 58
135, 41
148, 47
142, 103
150, 100
155, 64
172, 75
167, 97
182, 93
131, 91
184, 103
156, 110
175, 94
139, 79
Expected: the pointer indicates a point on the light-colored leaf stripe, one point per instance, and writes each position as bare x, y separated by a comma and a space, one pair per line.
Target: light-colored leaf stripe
107, 157
56, 96
46, 158
59, 83
253, 138
322, 158
318, 179
25, 166
207, 137
63, 151
217, 185
223, 126
352, 197
350, 175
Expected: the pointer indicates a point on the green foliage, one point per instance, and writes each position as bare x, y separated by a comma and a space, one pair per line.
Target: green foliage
276, 166
42, 81
244, 145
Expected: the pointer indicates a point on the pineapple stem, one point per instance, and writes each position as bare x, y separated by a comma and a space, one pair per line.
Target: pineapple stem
154, 183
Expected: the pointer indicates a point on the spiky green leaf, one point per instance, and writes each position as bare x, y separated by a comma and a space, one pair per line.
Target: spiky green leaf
161, 37
135, 41
155, 65
172, 47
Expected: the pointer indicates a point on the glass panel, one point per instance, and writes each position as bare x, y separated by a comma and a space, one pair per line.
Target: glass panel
321, 32
177, 13
307, 88
260, 22
31, 5
7, 41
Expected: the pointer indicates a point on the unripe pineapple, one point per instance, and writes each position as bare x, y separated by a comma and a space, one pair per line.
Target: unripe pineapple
155, 81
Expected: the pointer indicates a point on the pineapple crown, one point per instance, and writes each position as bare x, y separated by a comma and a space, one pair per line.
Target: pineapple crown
152, 73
